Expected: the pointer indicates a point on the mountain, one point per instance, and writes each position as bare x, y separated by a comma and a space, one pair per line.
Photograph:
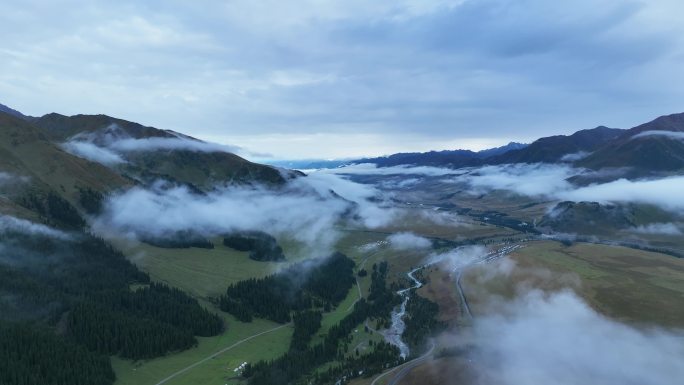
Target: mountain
566, 148
42, 178
447, 158
560, 147
10, 111
656, 146
153, 153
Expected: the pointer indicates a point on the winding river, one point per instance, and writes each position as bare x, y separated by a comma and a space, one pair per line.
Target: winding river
393, 334
396, 329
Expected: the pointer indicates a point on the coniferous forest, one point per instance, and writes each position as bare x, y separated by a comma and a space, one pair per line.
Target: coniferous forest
274, 297
68, 302
297, 364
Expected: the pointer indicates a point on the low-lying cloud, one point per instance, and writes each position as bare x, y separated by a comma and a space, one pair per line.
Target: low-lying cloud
9, 178
373, 169
556, 338
10, 223
408, 241
669, 134
538, 179
308, 209
664, 192
93, 152
658, 229
575, 156
162, 211
460, 257
177, 144
110, 145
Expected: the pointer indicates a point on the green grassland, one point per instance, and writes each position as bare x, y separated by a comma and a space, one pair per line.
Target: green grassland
203, 273
630, 285
214, 371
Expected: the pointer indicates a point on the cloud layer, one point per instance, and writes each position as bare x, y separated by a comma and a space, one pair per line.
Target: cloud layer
308, 209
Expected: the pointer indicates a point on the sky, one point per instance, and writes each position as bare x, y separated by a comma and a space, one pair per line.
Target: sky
343, 79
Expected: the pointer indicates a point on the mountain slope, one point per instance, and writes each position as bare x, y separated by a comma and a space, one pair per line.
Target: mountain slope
544, 150
37, 171
646, 154
447, 158
185, 161
13, 112
553, 148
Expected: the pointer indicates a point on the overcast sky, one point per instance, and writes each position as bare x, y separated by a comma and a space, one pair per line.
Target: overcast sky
331, 79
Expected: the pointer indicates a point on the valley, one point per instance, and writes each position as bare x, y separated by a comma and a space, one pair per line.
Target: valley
358, 274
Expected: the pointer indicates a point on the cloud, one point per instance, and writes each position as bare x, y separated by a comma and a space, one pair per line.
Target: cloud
538, 179
110, 145
373, 169
155, 144
408, 241
658, 229
669, 134
7, 178
92, 152
308, 209
556, 338
574, 156
663, 192
425, 70
10, 223
161, 211
460, 257
551, 181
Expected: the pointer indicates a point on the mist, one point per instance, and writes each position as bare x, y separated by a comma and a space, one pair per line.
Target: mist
541, 338
93, 153
177, 144
10, 223
310, 210
664, 193
7, 178
161, 211
658, 229
538, 179
372, 169
408, 241
669, 134
110, 145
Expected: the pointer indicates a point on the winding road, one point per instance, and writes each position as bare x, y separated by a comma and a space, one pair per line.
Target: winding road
176, 374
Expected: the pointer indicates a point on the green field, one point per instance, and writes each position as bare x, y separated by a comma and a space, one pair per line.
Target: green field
214, 371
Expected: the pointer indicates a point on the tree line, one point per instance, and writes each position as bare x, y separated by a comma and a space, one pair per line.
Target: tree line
296, 288
261, 246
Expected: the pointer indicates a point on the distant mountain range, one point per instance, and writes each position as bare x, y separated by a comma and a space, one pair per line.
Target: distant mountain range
448, 158
656, 147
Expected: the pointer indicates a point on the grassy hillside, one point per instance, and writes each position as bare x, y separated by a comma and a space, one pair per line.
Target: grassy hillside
202, 169
646, 154
627, 284
39, 166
